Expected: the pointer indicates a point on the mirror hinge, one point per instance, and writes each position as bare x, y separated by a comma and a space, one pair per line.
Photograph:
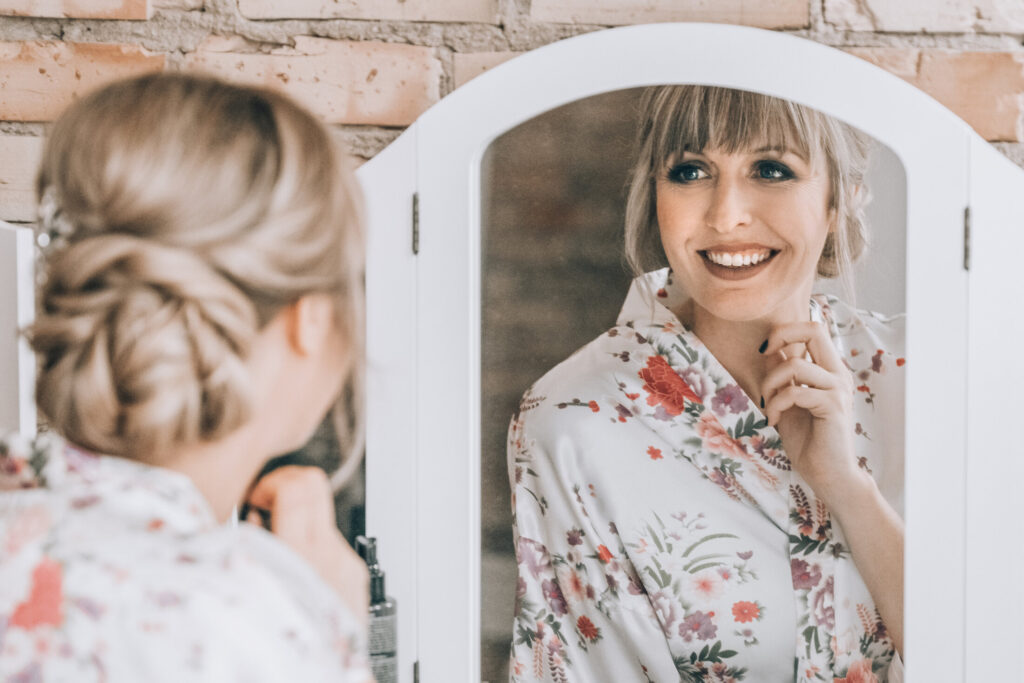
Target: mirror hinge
416, 669
967, 238
415, 222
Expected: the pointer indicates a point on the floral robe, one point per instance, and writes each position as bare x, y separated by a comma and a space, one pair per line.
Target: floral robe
111, 570
661, 534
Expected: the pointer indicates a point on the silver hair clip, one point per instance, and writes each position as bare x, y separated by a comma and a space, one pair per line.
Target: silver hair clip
52, 228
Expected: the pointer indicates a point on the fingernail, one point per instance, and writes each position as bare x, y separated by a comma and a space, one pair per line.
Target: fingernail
764, 345
762, 402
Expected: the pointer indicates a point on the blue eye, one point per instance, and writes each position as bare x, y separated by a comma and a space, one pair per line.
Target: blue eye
686, 173
773, 170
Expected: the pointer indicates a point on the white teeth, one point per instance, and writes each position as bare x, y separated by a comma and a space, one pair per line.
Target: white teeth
731, 260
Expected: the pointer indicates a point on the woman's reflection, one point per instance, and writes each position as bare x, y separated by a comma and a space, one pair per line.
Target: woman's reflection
697, 491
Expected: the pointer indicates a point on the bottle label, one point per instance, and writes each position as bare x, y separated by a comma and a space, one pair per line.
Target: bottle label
384, 668
383, 631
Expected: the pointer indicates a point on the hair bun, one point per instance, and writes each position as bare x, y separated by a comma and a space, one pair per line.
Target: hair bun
143, 346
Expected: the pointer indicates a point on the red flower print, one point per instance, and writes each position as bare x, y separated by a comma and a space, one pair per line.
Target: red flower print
632, 397
662, 293
854, 352
44, 599
655, 453
864, 388
604, 553
859, 672
900, 362
744, 611
593, 406
587, 628
665, 386
155, 524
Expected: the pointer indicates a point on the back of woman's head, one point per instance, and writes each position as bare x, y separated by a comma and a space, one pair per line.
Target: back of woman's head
185, 212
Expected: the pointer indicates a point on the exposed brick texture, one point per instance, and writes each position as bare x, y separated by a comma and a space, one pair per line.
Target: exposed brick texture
19, 158
763, 13
485, 11
983, 88
912, 16
469, 66
77, 9
39, 79
386, 84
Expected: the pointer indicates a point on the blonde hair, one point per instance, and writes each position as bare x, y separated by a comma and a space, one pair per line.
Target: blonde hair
187, 212
678, 118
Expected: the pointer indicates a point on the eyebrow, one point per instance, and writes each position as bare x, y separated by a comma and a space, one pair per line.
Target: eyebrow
780, 150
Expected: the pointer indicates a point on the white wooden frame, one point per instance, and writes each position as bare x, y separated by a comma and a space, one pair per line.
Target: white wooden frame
17, 310
424, 336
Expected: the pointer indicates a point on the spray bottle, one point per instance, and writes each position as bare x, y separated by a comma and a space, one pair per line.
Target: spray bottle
383, 627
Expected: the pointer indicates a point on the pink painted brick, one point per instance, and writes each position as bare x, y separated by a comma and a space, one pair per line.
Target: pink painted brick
469, 65
914, 16
77, 9
763, 13
483, 11
39, 79
385, 84
19, 159
983, 88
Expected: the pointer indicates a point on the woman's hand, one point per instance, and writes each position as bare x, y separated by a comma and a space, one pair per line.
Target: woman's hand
810, 402
301, 509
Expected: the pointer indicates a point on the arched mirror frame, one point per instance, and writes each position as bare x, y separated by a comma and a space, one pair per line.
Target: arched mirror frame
423, 282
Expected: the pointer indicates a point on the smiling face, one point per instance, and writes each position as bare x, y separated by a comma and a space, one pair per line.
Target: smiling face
744, 230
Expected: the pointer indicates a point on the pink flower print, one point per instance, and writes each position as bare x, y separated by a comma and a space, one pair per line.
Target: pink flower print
555, 598
698, 624
707, 585
716, 439
30, 524
859, 672
667, 610
574, 536
729, 399
805, 576
43, 606
822, 605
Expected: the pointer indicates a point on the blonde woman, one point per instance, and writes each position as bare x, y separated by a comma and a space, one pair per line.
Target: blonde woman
709, 490
200, 311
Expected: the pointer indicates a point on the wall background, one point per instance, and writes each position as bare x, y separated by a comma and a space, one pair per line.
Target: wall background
370, 67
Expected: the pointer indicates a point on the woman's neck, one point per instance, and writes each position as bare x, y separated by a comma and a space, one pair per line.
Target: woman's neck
222, 470
736, 344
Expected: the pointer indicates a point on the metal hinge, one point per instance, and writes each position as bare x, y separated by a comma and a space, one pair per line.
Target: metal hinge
967, 238
415, 222
416, 664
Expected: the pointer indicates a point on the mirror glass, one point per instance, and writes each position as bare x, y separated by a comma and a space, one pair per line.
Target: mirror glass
554, 278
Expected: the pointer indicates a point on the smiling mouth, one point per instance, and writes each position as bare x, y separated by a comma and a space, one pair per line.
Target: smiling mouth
734, 265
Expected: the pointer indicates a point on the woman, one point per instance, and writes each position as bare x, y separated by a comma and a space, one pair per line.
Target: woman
706, 491
200, 310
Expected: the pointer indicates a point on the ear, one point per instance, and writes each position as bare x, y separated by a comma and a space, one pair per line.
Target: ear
309, 323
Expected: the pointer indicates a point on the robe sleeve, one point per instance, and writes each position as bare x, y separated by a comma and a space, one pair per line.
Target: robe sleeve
581, 611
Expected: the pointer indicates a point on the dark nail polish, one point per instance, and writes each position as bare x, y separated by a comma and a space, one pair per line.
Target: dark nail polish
764, 345
762, 403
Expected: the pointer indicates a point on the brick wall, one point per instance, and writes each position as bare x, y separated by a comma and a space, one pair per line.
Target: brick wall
369, 67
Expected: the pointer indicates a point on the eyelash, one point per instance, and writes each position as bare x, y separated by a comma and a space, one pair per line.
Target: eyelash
771, 166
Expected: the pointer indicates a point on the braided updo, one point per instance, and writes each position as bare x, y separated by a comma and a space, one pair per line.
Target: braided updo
190, 212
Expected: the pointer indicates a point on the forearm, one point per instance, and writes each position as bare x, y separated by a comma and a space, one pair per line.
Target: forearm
875, 533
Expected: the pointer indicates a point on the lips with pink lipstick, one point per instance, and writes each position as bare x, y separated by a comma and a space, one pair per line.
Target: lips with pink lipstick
737, 261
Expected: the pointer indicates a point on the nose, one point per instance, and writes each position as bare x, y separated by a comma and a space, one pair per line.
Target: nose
728, 205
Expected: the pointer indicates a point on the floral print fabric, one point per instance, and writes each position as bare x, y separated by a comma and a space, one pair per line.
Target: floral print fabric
111, 570
661, 534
